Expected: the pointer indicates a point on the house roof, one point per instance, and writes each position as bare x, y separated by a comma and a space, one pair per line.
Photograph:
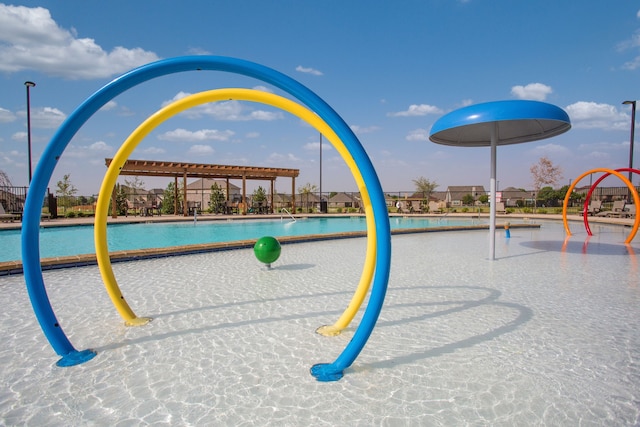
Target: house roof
207, 183
342, 198
457, 192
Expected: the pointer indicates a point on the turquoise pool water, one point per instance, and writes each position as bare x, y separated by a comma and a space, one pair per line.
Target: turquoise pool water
65, 241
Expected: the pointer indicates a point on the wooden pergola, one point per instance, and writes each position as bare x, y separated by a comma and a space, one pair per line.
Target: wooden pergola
185, 170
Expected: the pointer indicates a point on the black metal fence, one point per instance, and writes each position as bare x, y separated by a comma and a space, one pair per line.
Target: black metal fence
13, 200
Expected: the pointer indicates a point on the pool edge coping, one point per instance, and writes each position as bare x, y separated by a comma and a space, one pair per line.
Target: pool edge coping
9, 268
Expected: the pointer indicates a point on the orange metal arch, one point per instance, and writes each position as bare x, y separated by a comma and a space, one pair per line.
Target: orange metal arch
634, 193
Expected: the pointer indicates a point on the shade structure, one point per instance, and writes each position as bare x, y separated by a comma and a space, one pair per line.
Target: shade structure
499, 123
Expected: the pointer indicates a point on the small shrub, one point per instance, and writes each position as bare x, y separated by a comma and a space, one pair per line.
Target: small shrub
81, 214
70, 214
542, 211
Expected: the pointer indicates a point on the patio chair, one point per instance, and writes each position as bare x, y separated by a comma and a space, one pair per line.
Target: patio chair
594, 207
434, 207
500, 208
617, 211
415, 206
7, 216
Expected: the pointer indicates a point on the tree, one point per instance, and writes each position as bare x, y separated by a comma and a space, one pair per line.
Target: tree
216, 199
467, 199
259, 195
136, 185
65, 191
308, 189
169, 201
545, 173
424, 186
122, 205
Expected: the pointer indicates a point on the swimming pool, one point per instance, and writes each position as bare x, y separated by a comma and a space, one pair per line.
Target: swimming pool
78, 240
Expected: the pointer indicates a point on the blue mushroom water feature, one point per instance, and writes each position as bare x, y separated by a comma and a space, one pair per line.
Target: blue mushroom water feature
499, 123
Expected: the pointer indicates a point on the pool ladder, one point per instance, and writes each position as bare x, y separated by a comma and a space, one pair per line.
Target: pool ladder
288, 213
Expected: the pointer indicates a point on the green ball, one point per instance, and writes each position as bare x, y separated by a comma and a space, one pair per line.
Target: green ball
267, 249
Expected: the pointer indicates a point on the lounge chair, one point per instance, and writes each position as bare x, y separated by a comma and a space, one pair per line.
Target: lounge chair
7, 216
500, 208
617, 211
415, 206
630, 210
595, 206
435, 207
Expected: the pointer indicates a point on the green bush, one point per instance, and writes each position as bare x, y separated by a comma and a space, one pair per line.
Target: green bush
465, 210
542, 211
70, 214
81, 214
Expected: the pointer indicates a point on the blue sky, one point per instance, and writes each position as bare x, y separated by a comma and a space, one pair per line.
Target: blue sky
389, 69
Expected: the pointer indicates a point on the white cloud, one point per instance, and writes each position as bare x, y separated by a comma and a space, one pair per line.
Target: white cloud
263, 89
183, 135
100, 146
417, 110
201, 149
315, 146
591, 115
308, 70
19, 136
197, 51
6, 116
109, 106
363, 130
550, 149
226, 110
533, 91
631, 44
418, 135
282, 158
154, 150
31, 40
45, 117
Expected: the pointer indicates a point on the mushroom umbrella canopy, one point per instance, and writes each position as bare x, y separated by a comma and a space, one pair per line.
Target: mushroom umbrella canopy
499, 123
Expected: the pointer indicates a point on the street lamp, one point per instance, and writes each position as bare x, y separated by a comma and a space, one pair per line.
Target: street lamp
633, 127
29, 85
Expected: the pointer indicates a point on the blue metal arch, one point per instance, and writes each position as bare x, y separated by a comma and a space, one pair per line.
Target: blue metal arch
44, 170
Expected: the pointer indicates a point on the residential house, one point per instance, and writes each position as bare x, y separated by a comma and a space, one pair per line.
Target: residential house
343, 200
455, 194
199, 192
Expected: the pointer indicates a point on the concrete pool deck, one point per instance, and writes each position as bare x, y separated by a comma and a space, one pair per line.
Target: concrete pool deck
548, 334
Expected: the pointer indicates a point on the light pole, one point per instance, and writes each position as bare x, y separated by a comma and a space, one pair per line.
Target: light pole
29, 85
633, 128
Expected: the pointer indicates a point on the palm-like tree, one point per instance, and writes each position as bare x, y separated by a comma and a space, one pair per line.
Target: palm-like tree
426, 187
308, 189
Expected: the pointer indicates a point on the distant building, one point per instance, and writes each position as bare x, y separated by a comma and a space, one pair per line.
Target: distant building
344, 200
456, 194
199, 192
